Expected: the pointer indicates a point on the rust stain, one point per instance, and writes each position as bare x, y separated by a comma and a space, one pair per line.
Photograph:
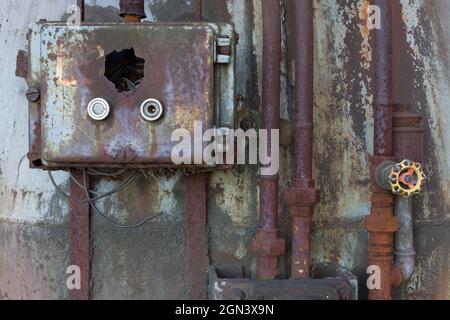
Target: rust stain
62, 60
364, 16
186, 121
366, 52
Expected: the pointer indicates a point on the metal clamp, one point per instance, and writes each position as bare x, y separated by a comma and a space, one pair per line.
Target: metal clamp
98, 109
151, 110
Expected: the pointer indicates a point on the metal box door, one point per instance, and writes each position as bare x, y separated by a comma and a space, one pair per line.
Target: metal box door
178, 71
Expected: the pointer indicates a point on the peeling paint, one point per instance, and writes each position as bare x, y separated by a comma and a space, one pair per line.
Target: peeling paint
33, 235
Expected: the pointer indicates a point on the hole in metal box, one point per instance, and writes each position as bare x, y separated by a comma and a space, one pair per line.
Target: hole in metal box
125, 70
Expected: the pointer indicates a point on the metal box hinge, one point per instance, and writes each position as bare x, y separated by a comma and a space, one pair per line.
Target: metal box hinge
222, 48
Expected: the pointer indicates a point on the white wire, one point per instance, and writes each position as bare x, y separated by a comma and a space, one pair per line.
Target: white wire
99, 195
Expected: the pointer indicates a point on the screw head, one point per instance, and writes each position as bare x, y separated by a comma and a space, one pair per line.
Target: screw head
33, 94
408, 179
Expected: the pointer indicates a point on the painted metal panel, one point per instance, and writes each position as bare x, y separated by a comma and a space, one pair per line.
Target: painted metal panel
178, 72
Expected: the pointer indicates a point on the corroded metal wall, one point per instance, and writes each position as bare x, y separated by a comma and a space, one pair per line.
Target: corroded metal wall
151, 262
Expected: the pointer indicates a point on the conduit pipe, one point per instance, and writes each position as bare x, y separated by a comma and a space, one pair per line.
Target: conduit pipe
302, 195
197, 222
199, 9
79, 227
381, 222
132, 10
404, 241
81, 6
267, 245
398, 136
408, 144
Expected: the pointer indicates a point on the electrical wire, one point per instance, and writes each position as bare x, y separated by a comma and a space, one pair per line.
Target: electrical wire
99, 195
81, 185
102, 214
131, 86
95, 172
115, 190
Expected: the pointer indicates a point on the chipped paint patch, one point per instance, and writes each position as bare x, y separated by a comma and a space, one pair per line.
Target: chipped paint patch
232, 193
425, 41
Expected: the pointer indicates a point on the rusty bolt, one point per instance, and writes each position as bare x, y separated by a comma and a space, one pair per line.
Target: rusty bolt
33, 94
247, 123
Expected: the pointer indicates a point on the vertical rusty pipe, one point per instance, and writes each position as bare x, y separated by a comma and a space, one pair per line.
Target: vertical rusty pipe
81, 5
79, 237
196, 235
196, 226
382, 63
381, 222
198, 9
79, 226
304, 92
302, 195
267, 246
132, 10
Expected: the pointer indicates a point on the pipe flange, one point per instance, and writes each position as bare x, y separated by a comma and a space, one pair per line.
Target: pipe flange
407, 178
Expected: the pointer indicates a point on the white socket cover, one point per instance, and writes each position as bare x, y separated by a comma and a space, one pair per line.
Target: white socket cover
98, 109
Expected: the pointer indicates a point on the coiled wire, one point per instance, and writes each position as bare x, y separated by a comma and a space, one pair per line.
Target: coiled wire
101, 195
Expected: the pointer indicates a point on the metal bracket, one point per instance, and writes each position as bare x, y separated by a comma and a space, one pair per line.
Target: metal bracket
227, 282
222, 54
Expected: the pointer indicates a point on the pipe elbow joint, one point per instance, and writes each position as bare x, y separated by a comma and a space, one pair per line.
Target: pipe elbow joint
405, 263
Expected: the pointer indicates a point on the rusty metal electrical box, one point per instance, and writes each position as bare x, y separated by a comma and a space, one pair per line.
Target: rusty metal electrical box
111, 95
